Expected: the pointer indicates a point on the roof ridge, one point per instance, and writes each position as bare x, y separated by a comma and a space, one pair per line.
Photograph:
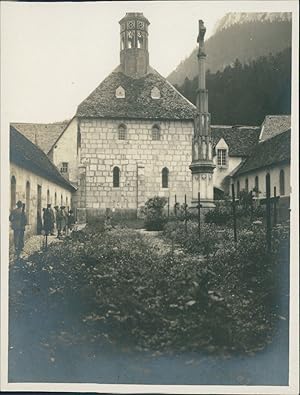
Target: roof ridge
273, 137
46, 156
40, 123
62, 132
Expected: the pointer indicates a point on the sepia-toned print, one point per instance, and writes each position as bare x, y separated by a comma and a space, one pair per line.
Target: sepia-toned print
149, 226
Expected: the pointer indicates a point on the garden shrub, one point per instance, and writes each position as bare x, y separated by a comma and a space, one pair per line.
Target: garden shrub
220, 215
169, 302
188, 237
153, 211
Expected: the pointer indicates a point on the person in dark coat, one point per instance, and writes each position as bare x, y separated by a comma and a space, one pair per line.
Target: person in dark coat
48, 220
18, 222
64, 219
52, 215
59, 221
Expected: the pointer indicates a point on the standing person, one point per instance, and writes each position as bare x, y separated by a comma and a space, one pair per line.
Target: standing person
71, 220
58, 221
52, 216
18, 222
64, 219
47, 220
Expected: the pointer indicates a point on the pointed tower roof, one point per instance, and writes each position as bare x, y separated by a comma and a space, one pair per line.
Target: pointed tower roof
134, 89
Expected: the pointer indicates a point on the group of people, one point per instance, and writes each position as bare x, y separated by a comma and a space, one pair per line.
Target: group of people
60, 218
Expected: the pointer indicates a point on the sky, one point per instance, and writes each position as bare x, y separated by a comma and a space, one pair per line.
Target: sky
54, 54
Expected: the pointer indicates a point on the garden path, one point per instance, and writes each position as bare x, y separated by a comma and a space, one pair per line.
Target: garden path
160, 244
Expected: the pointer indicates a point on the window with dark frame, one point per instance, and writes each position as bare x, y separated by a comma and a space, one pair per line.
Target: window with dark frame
165, 177
122, 132
116, 177
155, 133
222, 157
64, 167
247, 185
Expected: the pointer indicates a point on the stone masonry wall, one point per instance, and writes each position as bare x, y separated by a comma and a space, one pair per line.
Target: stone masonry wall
140, 160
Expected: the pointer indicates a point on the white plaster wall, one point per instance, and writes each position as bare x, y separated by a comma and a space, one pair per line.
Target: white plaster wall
221, 172
65, 150
22, 176
101, 151
274, 179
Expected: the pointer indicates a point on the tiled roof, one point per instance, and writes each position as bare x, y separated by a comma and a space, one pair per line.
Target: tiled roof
42, 134
273, 125
268, 153
138, 104
240, 139
27, 155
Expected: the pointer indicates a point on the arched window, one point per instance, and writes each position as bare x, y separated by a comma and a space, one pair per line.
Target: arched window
140, 40
122, 132
155, 132
281, 182
116, 177
27, 207
67, 201
48, 196
246, 185
238, 189
55, 199
165, 177
130, 39
61, 200
13, 192
256, 186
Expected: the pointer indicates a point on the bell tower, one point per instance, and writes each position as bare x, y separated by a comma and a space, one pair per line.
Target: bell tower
134, 55
202, 165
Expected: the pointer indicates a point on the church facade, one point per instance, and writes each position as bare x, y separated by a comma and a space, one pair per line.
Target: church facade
134, 133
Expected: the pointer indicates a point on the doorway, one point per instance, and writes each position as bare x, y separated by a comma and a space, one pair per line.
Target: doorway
39, 224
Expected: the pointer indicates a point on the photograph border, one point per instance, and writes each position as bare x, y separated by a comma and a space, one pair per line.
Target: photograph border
293, 387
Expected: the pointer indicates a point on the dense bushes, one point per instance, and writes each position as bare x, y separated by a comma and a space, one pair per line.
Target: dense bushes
245, 211
154, 213
169, 301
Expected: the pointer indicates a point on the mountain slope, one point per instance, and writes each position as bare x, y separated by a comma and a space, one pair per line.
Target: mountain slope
246, 41
242, 17
245, 94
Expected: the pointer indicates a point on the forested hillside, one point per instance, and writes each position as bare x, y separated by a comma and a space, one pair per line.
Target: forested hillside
245, 93
246, 41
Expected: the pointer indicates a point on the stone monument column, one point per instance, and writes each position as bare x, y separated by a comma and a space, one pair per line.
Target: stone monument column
202, 165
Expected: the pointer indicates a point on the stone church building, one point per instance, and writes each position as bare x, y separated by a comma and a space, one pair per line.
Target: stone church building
131, 137
135, 136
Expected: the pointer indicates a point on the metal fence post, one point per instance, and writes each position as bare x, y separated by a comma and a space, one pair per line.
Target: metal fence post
251, 206
268, 212
233, 213
199, 215
168, 207
185, 214
175, 207
275, 207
